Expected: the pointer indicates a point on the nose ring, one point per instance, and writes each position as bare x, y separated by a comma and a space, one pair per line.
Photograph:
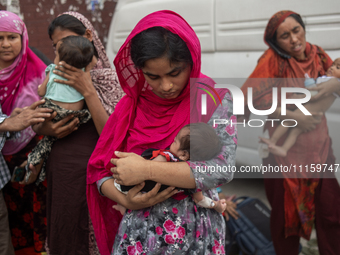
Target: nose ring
171, 85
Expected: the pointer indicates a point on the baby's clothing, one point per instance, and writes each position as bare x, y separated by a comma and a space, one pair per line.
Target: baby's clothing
44, 146
60, 92
323, 78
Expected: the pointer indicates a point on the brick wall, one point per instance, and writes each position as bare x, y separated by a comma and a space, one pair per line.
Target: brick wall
37, 14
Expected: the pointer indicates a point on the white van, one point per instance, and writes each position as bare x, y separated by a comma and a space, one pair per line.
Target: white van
231, 36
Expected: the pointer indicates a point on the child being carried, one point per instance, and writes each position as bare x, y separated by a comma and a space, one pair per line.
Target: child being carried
321, 105
78, 52
195, 142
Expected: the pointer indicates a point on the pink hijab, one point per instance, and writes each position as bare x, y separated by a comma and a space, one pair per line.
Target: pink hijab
19, 82
142, 120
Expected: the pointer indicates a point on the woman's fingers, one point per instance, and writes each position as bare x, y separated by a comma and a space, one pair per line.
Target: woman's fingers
119, 155
35, 104
29, 178
63, 122
114, 161
71, 75
115, 175
157, 197
62, 129
63, 66
317, 116
150, 198
68, 129
136, 189
153, 193
231, 210
53, 114
114, 170
130, 168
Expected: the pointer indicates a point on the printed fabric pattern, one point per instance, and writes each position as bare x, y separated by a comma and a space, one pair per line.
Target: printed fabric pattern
44, 146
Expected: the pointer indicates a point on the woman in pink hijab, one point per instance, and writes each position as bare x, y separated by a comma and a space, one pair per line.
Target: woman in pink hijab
19, 81
21, 72
158, 67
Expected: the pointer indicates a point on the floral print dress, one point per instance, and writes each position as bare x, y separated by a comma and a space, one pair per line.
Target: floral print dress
180, 226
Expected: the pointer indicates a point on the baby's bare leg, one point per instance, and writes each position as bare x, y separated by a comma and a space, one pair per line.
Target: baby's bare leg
119, 208
289, 142
278, 133
322, 105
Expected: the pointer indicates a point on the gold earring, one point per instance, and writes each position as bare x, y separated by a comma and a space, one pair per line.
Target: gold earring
171, 85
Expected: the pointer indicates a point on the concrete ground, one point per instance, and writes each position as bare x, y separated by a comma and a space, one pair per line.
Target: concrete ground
255, 188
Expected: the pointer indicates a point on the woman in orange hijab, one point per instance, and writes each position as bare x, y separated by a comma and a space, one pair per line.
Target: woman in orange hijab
298, 202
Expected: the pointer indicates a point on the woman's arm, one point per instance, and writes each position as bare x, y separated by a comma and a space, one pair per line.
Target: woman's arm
135, 200
132, 169
305, 122
82, 82
326, 88
218, 171
25, 117
59, 129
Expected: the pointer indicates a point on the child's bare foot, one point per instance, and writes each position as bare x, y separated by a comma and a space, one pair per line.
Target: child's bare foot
220, 205
119, 208
277, 150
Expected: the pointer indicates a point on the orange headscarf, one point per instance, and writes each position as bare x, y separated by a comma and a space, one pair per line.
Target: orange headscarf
311, 147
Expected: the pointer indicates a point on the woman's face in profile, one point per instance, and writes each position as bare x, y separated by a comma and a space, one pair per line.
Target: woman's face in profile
291, 37
10, 48
166, 80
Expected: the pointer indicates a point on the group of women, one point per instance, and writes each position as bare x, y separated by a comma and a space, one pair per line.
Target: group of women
144, 105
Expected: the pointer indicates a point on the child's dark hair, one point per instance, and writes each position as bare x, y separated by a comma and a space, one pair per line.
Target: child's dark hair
76, 51
202, 142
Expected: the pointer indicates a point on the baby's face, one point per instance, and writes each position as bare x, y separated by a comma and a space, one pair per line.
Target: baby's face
176, 144
334, 70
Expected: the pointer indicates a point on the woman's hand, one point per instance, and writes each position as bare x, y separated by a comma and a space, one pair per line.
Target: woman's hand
136, 200
76, 78
131, 169
231, 210
82, 82
307, 122
22, 118
59, 129
326, 88
30, 177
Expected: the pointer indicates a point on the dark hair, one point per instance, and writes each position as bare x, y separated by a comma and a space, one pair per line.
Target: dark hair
157, 42
273, 41
66, 22
71, 23
76, 51
202, 142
